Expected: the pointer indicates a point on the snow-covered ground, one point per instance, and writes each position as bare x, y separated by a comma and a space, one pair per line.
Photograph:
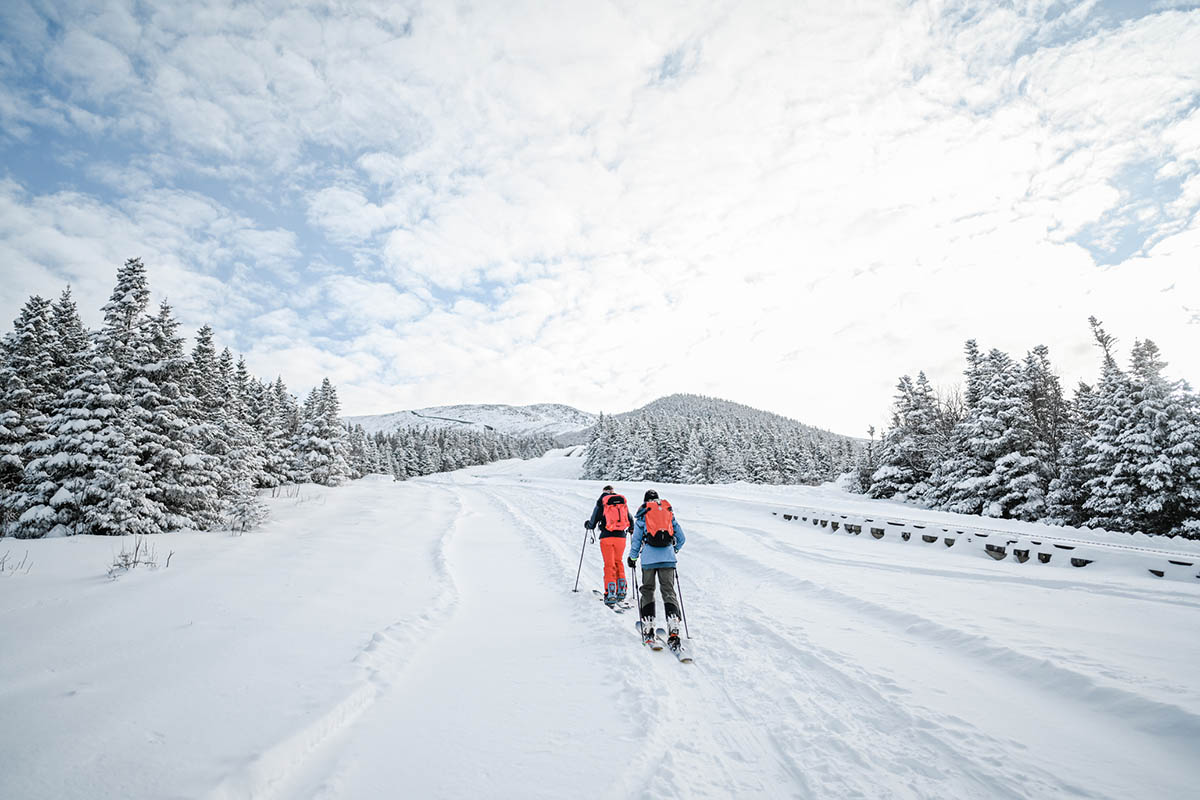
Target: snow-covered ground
421, 639
549, 419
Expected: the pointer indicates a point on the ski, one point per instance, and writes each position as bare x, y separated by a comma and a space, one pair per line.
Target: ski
655, 644
683, 652
621, 606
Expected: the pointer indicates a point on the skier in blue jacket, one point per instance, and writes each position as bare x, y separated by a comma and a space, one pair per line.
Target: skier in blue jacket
656, 529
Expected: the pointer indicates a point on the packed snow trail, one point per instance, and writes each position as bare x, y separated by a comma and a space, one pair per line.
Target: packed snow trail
498, 692
422, 639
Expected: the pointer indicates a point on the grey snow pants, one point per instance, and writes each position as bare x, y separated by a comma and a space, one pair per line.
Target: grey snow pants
666, 579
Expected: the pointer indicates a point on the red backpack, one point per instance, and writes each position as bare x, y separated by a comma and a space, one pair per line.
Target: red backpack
660, 524
616, 513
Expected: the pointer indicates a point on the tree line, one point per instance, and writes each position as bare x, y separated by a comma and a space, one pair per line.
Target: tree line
695, 439
413, 452
119, 430
1122, 454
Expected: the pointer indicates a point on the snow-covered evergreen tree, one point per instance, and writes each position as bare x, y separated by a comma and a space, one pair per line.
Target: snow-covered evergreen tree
26, 400
865, 464
169, 418
904, 465
117, 431
322, 438
962, 471
1064, 501
1109, 478
1123, 454
1183, 449
125, 487
1159, 449
244, 509
210, 429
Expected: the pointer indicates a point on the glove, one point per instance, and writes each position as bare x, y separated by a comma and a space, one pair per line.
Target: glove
589, 525
631, 561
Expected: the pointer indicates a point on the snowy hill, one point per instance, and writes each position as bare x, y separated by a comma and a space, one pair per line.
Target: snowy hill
345, 649
550, 419
697, 407
687, 438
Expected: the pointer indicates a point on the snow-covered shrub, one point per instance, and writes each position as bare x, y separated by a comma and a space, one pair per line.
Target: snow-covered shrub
13, 567
142, 555
246, 511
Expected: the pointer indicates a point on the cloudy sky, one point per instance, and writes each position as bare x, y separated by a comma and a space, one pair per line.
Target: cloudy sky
786, 204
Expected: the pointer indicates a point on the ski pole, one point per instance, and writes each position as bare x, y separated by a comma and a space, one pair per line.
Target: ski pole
637, 595
579, 571
682, 610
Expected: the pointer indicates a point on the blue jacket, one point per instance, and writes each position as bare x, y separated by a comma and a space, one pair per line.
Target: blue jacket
654, 557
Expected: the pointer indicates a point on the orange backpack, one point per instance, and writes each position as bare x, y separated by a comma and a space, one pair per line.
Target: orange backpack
660, 524
616, 513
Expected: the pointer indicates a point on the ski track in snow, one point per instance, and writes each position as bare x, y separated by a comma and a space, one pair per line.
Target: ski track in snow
382, 660
814, 749
1149, 715
447, 657
819, 749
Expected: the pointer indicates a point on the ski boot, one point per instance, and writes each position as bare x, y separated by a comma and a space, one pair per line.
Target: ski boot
622, 590
673, 640
648, 631
610, 595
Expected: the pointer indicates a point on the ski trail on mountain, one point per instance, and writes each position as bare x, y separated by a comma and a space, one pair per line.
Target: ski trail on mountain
278, 768
825, 723
502, 688
694, 739
763, 742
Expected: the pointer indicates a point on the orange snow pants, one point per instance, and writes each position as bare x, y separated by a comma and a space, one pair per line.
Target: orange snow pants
613, 548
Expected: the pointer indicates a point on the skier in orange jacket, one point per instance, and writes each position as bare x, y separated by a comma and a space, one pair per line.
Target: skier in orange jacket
611, 516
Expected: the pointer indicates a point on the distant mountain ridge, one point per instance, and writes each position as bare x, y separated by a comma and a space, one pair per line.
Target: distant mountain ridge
548, 419
569, 425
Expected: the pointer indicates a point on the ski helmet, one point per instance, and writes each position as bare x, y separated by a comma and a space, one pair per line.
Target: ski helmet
650, 495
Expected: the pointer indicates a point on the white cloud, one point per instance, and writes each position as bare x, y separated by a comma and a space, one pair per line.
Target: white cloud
95, 66
597, 204
345, 214
186, 240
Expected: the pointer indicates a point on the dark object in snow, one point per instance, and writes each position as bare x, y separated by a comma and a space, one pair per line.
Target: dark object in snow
648, 637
